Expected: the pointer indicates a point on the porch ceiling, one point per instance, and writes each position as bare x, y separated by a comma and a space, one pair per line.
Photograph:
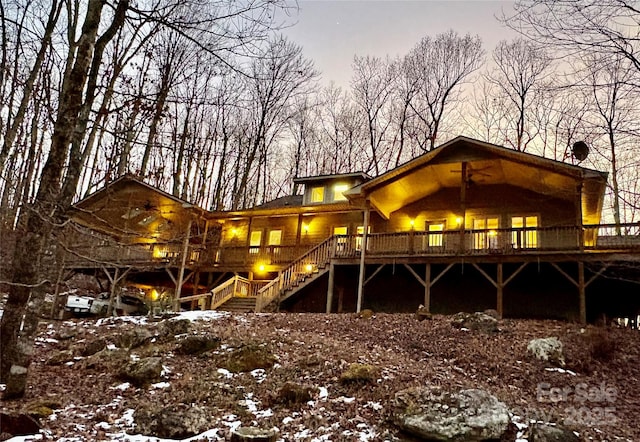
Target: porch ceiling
132, 209
423, 181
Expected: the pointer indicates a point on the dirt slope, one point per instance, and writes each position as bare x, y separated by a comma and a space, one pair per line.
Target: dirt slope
597, 396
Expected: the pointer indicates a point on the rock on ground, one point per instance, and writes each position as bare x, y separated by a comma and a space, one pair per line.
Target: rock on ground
547, 349
435, 414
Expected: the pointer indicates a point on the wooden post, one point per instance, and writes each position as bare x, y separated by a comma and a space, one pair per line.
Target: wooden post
582, 292
463, 203
332, 271
579, 225
183, 263
427, 288
499, 289
299, 231
363, 249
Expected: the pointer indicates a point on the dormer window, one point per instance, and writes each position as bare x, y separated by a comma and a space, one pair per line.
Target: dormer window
317, 194
338, 192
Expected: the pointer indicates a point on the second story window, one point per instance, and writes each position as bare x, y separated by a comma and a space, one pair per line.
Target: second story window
317, 194
255, 240
338, 192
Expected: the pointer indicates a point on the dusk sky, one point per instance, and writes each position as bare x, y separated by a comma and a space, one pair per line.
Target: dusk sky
331, 32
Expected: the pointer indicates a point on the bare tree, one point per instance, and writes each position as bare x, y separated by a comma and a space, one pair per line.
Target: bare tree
442, 65
276, 79
520, 70
614, 104
372, 88
222, 29
604, 27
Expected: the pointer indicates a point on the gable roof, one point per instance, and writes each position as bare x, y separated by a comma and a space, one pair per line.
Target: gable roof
485, 164
129, 206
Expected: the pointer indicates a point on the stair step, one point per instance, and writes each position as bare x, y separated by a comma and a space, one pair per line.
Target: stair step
239, 305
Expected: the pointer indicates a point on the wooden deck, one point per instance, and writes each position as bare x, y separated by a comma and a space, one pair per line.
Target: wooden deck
411, 246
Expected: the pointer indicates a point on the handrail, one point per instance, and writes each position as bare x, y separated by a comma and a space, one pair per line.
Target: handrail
317, 257
228, 290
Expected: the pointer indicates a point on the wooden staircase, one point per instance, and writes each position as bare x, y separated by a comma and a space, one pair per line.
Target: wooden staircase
239, 304
299, 274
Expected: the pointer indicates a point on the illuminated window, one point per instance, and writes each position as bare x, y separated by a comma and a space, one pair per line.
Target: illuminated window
255, 239
338, 192
275, 239
434, 234
342, 242
485, 235
317, 194
525, 238
360, 231
340, 230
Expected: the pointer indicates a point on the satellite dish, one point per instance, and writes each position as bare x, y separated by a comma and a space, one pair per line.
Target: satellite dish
580, 150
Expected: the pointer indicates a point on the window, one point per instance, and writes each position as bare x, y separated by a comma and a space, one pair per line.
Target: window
338, 190
434, 234
360, 231
341, 244
275, 239
524, 235
485, 235
317, 194
255, 240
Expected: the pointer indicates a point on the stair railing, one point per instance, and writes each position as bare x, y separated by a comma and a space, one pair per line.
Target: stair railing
228, 289
314, 259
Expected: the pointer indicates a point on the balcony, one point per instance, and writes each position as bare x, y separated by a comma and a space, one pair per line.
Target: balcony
595, 238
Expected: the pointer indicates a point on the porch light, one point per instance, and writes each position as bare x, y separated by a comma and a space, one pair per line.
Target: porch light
412, 223
305, 227
308, 268
261, 268
493, 233
234, 232
459, 220
154, 295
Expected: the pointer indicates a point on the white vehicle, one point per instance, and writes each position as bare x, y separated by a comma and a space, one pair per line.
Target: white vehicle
85, 305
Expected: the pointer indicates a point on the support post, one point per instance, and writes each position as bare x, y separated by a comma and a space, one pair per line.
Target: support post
367, 211
463, 203
183, 263
332, 271
499, 289
427, 288
579, 225
582, 291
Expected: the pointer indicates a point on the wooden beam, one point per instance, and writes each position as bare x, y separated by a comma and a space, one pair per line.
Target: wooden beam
514, 274
489, 278
441, 274
598, 273
374, 273
415, 275
566, 275
427, 288
463, 202
365, 227
499, 289
183, 262
582, 293
330, 286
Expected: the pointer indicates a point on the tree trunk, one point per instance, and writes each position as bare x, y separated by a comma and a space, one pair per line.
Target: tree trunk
21, 314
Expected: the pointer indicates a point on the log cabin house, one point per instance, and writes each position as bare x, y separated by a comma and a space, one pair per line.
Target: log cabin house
466, 226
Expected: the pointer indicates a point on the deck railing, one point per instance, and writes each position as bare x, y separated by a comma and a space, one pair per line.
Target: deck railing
413, 243
603, 237
95, 255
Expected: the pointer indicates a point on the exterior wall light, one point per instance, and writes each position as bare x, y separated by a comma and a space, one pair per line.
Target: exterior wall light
305, 228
